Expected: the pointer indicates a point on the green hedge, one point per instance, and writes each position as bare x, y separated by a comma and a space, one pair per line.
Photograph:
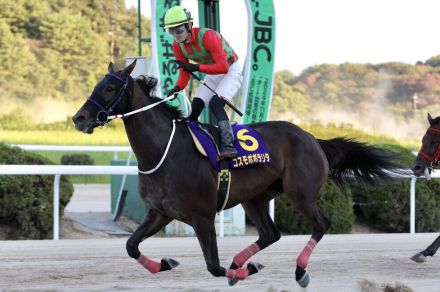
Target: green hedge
334, 202
77, 159
386, 207
26, 201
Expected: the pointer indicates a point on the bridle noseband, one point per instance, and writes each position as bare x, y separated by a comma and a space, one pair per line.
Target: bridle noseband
434, 159
102, 117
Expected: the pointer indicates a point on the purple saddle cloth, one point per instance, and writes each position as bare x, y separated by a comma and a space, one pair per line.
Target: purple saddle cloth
249, 144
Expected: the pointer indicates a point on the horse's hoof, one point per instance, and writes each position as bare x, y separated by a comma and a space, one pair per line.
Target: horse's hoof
167, 264
418, 258
232, 282
254, 268
304, 281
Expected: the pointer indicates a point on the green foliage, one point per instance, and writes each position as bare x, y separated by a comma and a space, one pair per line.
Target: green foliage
357, 89
336, 204
26, 202
77, 159
386, 207
60, 49
434, 61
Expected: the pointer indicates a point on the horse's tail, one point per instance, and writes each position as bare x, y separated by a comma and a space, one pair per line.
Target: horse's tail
366, 163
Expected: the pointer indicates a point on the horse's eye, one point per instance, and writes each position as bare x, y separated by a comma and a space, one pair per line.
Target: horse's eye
109, 89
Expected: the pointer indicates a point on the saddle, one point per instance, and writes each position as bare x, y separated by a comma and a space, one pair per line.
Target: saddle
249, 144
250, 147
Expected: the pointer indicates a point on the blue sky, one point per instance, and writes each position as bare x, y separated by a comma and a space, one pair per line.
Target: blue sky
335, 31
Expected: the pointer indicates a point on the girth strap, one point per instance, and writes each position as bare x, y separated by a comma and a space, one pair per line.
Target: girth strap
224, 183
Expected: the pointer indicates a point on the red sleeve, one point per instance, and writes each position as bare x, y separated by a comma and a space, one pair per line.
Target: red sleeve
213, 43
183, 79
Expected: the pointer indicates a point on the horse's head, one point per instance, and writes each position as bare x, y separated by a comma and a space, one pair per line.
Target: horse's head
429, 154
110, 96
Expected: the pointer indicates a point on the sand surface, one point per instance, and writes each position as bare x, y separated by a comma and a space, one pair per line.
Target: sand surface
354, 262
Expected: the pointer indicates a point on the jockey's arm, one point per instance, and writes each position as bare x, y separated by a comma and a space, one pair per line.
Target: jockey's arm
183, 79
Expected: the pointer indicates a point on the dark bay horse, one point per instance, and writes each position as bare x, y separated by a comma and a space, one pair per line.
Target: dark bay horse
428, 158
182, 184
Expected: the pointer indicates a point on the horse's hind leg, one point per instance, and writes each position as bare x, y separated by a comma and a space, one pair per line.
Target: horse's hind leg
256, 210
152, 223
420, 257
205, 231
320, 226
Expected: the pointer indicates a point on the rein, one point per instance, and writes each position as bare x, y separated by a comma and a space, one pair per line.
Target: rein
434, 159
103, 117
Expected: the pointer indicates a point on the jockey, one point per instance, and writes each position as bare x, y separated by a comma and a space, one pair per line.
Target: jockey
211, 54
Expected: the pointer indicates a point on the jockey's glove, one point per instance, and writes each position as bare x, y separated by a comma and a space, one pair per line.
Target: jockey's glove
188, 67
172, 91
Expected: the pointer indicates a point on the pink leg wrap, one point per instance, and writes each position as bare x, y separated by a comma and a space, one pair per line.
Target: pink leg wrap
303, 258
150, 265
244, 255
239, 274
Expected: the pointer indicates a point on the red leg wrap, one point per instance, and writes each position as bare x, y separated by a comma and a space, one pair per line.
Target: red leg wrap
303, 258
239, 274
244, 255
150, 265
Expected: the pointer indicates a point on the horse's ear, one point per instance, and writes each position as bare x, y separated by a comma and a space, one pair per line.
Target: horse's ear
127, 71
111, 68
430, 119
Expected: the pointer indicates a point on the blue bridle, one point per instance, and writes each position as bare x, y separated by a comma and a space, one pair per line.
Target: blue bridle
105, 111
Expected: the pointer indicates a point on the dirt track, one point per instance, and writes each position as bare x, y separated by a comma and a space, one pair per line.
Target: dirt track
339, 263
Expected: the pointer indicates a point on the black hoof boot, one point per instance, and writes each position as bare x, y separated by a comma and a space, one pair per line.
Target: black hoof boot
167, 264
254, 268
232, 282
302, 277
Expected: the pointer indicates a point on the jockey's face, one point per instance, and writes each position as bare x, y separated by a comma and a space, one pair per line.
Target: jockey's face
179, 33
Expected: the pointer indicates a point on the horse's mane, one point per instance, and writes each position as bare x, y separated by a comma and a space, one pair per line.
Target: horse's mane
148, 85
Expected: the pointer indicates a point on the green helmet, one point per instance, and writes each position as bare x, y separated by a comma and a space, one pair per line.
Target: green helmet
176, 16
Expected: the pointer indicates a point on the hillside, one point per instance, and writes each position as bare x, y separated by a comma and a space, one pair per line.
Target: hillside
53, 52
390, 98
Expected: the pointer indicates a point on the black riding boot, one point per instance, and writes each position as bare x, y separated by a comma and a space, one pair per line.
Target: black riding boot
227, 149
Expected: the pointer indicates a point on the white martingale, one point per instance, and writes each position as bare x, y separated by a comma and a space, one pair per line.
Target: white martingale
165, 153
145, 108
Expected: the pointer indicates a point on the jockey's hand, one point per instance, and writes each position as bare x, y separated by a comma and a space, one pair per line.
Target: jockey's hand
172, 91
188, 67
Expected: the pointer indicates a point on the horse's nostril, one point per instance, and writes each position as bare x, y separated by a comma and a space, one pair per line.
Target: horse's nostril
415, 167
77, 118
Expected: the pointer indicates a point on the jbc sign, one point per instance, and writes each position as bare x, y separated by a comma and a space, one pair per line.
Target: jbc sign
259, 76
259, 70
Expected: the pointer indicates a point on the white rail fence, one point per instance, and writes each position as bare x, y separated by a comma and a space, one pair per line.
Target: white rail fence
114, 149
58, 170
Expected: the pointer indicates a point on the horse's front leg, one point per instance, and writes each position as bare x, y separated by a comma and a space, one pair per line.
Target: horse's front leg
205, 231
152, 223
420, 257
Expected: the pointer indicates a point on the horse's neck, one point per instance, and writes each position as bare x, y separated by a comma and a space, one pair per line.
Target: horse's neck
148, 131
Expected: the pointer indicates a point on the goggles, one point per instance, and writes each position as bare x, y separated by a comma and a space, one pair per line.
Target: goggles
176, 30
